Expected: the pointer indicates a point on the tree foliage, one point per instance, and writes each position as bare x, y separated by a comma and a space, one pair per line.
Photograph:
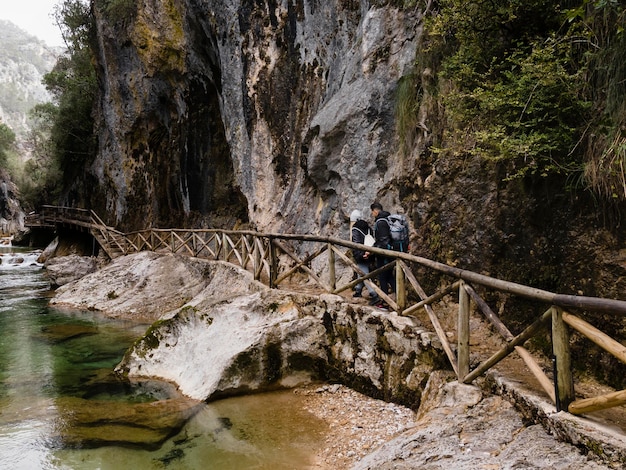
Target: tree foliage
7, 144
73, 84
529, 84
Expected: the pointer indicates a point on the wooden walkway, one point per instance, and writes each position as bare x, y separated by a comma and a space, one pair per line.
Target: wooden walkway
278, 258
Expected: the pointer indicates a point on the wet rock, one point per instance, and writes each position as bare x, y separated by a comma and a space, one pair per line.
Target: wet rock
60, 333
48, 251
256, 338
141, 286
94, 423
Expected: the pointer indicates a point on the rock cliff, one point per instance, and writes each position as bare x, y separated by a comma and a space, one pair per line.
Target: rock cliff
280, 113
283, 115
11, 213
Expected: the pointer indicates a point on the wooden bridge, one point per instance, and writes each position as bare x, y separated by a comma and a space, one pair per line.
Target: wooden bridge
277, 258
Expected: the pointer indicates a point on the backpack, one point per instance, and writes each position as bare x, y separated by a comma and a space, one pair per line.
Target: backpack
368, 239
399, 230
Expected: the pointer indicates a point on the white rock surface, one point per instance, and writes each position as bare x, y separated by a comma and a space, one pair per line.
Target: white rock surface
460, 428
143, 286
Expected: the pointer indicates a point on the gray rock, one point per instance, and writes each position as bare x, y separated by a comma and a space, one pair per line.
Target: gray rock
142, 286
65, 269
459, 428
287, 111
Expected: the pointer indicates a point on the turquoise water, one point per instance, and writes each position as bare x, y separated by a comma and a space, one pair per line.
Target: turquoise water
61, 406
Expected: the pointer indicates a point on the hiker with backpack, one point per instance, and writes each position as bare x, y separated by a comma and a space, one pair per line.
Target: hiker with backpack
362, 233
391, 233
382, 234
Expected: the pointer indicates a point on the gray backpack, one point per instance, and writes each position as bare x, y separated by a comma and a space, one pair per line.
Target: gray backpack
399, 230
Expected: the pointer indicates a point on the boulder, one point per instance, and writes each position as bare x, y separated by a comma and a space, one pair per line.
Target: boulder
65, 269
219, 332
460, 427
143, 286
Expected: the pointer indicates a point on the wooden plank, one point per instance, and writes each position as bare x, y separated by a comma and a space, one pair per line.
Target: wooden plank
161, 240
206, 244
332, 279
273, 260
488, 313
564, 381
432, 298
305, 268
228, 241
441, 334
463, 333
243, 242
587, 405
528, 333
598, 337
257, 265
263, 258
537, 371
223, 247
400, 285
363, 277
184, 240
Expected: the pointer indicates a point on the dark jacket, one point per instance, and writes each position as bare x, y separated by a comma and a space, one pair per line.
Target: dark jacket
359, 230
382, 231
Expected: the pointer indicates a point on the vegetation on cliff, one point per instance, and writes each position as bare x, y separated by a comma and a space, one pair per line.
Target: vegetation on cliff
535, 86
523, 105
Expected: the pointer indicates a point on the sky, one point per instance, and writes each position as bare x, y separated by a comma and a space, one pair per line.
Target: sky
34, 17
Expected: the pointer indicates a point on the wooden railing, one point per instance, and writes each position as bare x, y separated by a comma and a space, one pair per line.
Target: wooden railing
276, 258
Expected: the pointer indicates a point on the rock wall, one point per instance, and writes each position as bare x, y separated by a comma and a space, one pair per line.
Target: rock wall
276, 112
11, 213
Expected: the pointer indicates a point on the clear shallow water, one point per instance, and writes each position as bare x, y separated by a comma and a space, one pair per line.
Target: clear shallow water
55, 370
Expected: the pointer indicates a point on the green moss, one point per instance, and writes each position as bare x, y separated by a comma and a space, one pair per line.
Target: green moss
150, 340
162, 46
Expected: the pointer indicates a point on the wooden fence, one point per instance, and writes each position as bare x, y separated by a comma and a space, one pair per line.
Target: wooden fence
276, 258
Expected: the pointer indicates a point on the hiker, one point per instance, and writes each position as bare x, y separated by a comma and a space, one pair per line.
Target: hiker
387, 278
361, 233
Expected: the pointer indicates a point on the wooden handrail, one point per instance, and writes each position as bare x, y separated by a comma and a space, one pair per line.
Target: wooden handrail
264, 251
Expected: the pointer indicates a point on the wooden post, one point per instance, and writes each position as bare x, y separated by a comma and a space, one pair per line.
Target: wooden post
243, 239
273, 263
464, 333
400, 287
563, 381
258, 258
225, 247
332, 278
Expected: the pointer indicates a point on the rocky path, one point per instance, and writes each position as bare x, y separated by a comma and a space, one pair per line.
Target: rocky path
457, 427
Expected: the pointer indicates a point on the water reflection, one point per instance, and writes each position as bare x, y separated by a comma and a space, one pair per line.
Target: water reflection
61, 406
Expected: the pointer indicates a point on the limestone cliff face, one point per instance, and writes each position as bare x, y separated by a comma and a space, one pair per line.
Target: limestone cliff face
280, 113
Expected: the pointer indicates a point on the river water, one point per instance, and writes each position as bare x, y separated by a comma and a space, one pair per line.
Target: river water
61, 407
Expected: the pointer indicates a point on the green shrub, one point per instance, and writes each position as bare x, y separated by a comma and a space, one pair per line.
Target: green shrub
533, 86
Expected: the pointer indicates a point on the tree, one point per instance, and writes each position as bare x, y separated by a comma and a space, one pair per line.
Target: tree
73, 84
7, 144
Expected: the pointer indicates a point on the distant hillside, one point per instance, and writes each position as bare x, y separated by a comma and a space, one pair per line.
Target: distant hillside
24, 60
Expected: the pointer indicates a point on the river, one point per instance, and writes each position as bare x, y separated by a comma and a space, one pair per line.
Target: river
61, 406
